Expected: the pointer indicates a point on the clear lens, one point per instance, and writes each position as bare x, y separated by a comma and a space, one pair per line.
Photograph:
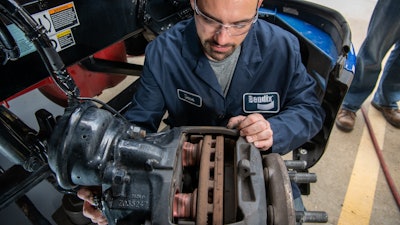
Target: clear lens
215, 26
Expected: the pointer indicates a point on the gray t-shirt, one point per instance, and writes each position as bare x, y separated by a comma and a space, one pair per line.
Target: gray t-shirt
224, 69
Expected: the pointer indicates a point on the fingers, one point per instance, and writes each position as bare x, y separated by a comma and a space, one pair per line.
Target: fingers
94, 214
262, 138
235, 121
89, 210
86, 195
252, 119
255, 128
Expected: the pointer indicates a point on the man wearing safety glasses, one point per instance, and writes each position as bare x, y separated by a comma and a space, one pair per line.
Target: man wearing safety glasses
226, 67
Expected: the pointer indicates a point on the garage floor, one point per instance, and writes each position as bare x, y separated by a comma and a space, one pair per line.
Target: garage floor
351, 185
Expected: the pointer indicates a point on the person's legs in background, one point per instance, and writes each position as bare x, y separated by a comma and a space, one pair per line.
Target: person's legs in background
388, 91
381, 36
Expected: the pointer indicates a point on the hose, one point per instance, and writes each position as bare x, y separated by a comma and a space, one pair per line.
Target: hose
11, 10
381, 159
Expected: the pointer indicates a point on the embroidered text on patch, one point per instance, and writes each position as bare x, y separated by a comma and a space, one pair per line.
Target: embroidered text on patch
261, 102
189, 97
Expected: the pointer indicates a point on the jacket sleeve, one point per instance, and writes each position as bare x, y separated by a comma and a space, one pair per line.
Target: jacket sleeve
301, 116
148, 106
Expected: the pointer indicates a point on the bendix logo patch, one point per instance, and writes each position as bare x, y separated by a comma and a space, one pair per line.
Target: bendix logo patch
261, 102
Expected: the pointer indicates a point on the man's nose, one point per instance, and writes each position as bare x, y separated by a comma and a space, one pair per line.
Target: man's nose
222, 35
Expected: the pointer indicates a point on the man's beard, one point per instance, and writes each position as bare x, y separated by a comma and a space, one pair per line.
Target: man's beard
209, 47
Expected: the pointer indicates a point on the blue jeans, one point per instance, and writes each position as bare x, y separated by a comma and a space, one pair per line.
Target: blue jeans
383, 32
297, 200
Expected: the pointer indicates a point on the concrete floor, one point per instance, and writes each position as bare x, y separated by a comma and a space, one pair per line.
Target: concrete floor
351, 185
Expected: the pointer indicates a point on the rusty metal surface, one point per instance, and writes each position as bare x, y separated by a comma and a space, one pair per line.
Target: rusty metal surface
191, 153
211, 181
184, 205
279, 192
204, 178
218, 211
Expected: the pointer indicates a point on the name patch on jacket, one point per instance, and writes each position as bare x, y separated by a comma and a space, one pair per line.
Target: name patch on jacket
261, 102
189, 97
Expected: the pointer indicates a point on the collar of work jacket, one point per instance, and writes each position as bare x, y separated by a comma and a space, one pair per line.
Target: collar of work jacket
250, 55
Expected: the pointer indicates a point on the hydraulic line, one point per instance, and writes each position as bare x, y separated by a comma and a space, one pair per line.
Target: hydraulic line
381, 159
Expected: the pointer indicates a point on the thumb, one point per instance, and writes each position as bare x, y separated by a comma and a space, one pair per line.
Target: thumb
235, 121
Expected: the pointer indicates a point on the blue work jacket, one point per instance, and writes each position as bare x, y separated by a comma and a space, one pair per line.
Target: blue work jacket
269, 79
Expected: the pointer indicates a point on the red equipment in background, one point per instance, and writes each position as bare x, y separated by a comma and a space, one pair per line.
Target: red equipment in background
89, 83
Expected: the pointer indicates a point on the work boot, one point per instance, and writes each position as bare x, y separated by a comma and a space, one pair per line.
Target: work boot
391, 115
345, 120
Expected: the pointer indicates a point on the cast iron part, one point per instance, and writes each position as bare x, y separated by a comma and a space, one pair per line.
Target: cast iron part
186, 175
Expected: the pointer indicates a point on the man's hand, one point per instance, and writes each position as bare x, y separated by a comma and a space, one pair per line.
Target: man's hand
89, 210
255, 128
